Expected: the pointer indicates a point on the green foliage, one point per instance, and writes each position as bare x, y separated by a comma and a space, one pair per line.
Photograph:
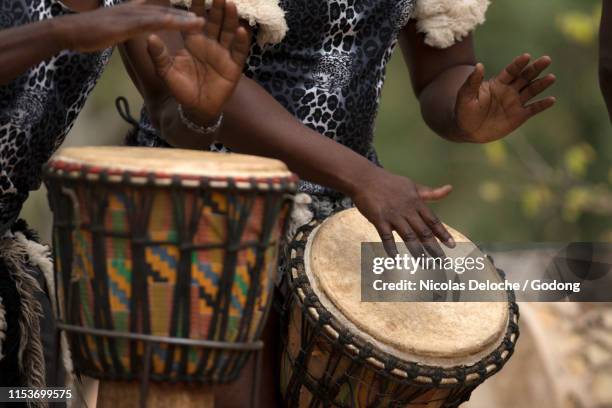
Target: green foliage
578, 158
534, 198
580, 27
497, 153
491, 191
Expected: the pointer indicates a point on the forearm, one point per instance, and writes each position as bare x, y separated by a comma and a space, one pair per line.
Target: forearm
605, 54
437, 75
25, 46
255, 123
438, 102
159, 102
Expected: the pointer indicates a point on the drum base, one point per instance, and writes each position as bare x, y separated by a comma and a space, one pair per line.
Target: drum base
115, 394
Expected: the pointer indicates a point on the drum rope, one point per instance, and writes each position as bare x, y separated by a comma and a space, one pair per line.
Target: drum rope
139, 209
318, 325
272, 207
102, 311
102, 196
123, 109
3, 327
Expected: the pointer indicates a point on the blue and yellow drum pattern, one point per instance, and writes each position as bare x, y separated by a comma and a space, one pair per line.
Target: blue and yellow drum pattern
183, 263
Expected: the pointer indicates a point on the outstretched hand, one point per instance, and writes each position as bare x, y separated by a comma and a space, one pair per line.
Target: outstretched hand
395, 203
490, 110
204, 74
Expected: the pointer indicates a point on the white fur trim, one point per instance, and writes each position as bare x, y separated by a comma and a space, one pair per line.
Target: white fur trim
40, 255
445, 22
3, 327
300, 215
267, 14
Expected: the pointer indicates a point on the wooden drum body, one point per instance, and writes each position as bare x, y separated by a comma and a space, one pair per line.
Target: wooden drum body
157, 249
341, 352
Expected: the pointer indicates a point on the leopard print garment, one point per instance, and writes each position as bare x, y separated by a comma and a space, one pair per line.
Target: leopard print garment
39, 108
328, 71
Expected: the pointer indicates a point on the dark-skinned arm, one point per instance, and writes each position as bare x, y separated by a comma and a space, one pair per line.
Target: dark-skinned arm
255, 123
458, 104
25, 46
197, 71
605, 54
437, 79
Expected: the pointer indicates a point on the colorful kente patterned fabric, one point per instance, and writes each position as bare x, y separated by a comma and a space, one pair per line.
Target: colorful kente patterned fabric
225, 241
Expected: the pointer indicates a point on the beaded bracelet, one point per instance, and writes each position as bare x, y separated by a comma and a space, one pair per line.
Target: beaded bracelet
203, 130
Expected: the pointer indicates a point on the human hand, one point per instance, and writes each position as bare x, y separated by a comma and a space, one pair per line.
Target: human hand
105, 27
489, 110
395, 203
203, 75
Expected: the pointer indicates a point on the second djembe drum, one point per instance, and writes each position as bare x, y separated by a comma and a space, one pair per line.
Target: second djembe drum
165, 260
342, 352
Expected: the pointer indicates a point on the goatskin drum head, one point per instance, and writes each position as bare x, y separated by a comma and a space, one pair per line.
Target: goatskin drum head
435, 333
177, 162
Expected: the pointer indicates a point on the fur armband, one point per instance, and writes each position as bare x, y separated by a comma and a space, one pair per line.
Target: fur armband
445, 22
267, 14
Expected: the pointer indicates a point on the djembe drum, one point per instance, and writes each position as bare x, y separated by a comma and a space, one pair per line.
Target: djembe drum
165, 260
341, 352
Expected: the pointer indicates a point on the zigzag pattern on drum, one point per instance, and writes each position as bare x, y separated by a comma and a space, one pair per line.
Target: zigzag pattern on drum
219, 217
82, 270
162, 262
119, 267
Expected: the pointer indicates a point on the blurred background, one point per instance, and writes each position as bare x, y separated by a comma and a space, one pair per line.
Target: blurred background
549, 181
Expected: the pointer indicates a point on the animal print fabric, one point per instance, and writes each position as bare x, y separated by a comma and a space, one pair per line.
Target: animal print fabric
328, 71
38, 108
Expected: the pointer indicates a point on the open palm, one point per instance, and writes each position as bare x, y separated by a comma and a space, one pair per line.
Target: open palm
203, 75
489, 110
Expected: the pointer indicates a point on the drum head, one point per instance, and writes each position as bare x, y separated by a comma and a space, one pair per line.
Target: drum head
177, 162
440, 334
